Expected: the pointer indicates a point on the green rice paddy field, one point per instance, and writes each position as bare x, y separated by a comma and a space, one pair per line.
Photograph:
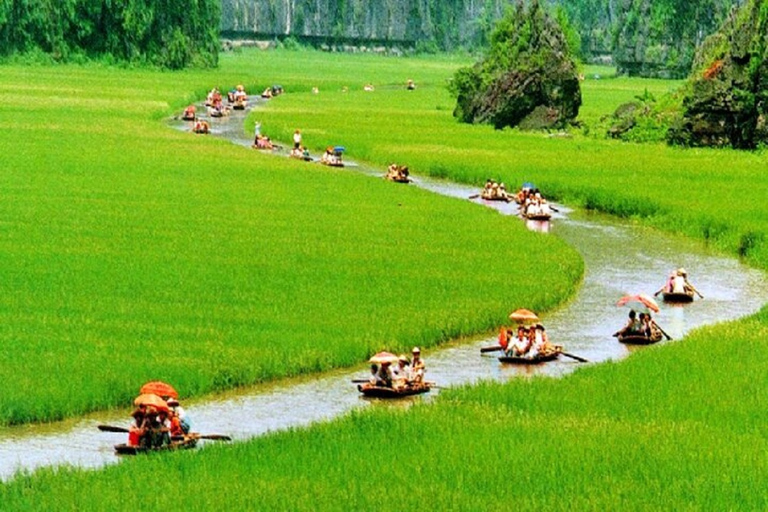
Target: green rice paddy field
216, 265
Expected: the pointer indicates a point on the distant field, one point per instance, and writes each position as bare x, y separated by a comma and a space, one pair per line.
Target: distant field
132, 251
712, 194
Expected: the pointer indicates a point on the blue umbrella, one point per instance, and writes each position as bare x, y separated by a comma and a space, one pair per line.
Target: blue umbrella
339, 149
528, 184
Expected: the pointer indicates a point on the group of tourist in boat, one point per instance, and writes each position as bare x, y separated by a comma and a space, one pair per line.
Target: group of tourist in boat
678, 286
398, 173
533, 205
495, 191
215, 104
332, 156
639, 325
155, 426
201, 126
528, 343
404, 375
238, 98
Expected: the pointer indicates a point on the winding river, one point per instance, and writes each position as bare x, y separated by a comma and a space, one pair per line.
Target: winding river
619, 258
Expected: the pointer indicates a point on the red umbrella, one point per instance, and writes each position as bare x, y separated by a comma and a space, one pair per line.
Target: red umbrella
523, 316
640, 302
150, 400
159, 388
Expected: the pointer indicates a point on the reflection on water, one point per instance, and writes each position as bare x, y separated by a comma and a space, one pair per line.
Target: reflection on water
619, 258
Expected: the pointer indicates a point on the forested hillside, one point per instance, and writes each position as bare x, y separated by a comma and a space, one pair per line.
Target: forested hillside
169, 33
649, 37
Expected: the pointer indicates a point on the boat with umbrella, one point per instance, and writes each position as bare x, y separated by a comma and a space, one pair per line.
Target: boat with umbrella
527, 319
640, 303
150, 432
371, 390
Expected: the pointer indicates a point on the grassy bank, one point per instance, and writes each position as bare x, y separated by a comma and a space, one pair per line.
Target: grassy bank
666, 429
132, 251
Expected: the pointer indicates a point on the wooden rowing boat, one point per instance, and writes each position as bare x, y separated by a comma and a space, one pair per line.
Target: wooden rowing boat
185, 444
370, 390
678, 297
641, 339
398, 179
538, 216
490, 197
540, 358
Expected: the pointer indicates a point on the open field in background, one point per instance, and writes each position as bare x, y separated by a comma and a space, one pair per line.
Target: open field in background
131, 251
716, 195
678, 427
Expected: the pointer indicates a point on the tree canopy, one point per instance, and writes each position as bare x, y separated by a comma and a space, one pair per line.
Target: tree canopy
169, 33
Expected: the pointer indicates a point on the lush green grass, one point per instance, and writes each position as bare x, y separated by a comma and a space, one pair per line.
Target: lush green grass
132, 251
711, 194
665, 429
678, 427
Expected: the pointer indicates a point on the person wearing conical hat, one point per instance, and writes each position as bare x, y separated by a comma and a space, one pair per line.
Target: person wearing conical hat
417, 367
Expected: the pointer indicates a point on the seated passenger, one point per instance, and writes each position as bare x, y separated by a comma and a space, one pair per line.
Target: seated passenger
400, 373
632, 327
520, 345
384, 375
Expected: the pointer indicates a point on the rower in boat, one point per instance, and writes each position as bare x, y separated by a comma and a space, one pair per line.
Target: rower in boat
202, 127
332, 156
398, 173
417, 368
678, 288
536, 207
189, 113
494, 191
263, 142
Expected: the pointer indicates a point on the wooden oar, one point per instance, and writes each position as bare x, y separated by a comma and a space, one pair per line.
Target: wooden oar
110, 428
662, 331
213, 437
554, 209
474, 196
572, 356
360, 381
494, 348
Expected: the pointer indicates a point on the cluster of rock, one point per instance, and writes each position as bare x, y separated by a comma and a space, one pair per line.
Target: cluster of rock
726, 100
527, 79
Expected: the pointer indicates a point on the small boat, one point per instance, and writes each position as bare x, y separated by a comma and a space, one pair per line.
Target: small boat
187, 443
540, 358
678, 297
538, 216
239, 105
384, 392
492, 197
397, 177
640, 339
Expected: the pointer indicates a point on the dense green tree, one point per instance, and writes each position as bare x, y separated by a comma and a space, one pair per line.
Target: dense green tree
169, 33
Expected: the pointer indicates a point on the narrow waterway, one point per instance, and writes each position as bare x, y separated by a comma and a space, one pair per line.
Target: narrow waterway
619, 258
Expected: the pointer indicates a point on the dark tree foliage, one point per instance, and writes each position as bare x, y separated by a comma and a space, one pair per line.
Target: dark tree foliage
527, 77
168, 33
726, 103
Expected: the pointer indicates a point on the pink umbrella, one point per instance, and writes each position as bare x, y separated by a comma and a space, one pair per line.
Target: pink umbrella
640, 302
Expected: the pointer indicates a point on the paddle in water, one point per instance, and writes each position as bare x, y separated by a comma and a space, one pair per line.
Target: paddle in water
491, 349
573, 356
110, 428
